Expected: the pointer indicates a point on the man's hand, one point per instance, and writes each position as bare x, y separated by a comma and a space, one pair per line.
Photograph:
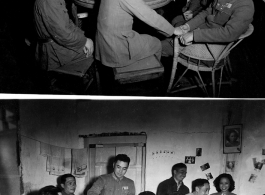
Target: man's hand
187, 38
89, 47
183, 29
188, 15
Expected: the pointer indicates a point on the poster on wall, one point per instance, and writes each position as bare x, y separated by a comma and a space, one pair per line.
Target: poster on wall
232, 139
230, 165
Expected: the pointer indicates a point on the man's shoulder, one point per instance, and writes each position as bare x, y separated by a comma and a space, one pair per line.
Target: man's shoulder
167, 181
105, 176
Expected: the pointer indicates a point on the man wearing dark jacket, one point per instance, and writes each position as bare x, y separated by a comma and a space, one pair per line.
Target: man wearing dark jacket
174, 185
60, 41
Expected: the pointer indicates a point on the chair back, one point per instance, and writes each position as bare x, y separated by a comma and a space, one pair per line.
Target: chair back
194, 57
231, 45
209, 51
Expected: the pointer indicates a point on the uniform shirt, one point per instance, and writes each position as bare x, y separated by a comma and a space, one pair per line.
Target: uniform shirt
170, 187
222, 21
52, 22
109, 184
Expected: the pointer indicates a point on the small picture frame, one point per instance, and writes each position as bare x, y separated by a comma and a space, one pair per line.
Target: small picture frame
209, 176
189, 159
230, 165
252, 178
205, 166
232, 139
198, 151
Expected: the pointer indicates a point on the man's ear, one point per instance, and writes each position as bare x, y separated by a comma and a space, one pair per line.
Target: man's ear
62, 185
197, 189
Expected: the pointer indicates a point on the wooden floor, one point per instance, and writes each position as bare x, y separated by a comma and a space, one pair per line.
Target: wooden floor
18, 72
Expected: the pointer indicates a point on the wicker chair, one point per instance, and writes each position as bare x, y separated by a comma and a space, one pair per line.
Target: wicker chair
203, 58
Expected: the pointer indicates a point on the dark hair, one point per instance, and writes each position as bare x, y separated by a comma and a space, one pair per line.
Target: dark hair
147, 193
217, 180
63, 178
198, 183
229, 133
177, 166
122, 157
49, 190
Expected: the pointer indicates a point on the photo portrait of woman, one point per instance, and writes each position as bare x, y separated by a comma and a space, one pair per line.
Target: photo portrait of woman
232, 138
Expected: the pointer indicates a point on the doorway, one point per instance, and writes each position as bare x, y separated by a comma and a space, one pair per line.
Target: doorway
102, 151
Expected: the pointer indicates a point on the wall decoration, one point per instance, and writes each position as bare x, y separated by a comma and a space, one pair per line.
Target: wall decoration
263, 151
205, 166
230, 165
163, 154
190, 159
198, 151
252, 178
258, 166
232, 139
209, 176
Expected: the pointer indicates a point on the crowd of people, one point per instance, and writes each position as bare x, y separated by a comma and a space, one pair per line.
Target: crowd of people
116, 183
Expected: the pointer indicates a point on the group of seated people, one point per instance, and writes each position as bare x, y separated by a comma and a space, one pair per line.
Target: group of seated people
117, 44
116, 183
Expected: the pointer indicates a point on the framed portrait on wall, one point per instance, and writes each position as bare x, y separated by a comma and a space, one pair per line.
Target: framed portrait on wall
232, 138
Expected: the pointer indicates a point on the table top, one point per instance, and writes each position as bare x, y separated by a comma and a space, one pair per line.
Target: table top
154, 4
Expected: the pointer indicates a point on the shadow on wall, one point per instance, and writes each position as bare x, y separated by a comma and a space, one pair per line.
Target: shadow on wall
9, 151
109, 169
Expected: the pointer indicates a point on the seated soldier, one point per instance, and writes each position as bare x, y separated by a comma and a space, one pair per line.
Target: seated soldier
222, 22
117, 44
60, 41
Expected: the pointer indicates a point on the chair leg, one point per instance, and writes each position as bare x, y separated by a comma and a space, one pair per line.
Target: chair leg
220, 81
213, 82
180, 77
203, 85
98, 80
172, 77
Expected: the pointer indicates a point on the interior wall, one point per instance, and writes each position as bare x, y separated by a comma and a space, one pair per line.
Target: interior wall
174, 130
9, 161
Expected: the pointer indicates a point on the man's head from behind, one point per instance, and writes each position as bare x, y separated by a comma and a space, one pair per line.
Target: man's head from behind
200, 187
120, 165
68, 184
179, 171
49, 190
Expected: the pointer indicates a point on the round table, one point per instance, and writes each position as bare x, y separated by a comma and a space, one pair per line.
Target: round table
154, 4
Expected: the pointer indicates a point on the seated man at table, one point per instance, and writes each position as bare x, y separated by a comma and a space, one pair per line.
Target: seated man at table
117, 44
222, 22
60, 41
